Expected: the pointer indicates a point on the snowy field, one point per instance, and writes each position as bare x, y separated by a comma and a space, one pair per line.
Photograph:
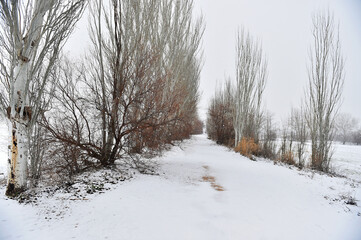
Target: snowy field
347, 161
204, 191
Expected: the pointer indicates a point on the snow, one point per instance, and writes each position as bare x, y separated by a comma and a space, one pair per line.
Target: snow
347, 160
259, 200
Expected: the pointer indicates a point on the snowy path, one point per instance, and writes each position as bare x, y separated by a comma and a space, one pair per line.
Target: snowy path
259, 201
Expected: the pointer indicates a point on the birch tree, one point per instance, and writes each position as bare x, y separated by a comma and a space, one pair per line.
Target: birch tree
325, 83
251, 74
32, 35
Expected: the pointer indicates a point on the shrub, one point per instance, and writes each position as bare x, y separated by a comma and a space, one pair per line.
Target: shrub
247, 147
287, 157
267, 149
197, 127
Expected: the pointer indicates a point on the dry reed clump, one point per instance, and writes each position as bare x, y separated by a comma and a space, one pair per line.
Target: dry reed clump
247, 147
287, 157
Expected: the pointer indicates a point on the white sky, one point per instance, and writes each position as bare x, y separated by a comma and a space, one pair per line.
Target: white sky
284, 27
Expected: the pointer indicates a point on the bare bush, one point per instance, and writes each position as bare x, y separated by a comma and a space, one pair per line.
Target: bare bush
356, 137
197, 127
267, 145
220, 116
285, 153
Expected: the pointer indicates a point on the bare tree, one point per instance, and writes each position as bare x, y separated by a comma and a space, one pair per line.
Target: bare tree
356, 137
299, 130
139, 85
31, 38
345, 126
325, 84
269, 136
251, 68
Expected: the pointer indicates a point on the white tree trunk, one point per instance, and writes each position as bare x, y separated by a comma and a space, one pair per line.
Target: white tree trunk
20, 115
18, 154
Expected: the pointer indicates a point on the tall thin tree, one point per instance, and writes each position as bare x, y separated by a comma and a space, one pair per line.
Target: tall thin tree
326, 75
251, 75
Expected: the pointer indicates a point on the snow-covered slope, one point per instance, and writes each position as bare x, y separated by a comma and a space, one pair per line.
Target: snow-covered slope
204, 191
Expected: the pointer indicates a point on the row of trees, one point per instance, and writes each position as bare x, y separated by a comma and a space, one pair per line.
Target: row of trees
236, 114
135, 91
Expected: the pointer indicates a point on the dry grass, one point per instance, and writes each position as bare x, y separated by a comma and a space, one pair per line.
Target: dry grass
247, 147
212, 181
209, 179
217, 187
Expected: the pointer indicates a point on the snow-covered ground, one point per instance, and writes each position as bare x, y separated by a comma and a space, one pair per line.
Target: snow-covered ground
346, 160
204, 191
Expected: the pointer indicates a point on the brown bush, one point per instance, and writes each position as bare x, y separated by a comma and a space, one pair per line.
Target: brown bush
247, 147
219, 123
197, 127
287, 157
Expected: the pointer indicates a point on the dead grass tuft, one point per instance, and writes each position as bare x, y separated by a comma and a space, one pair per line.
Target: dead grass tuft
247, 147
209, 179
217, 187
212, 181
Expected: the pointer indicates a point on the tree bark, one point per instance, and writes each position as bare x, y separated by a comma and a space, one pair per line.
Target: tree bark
20, 115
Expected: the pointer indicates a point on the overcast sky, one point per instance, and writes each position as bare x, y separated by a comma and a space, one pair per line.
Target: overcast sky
284, 27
